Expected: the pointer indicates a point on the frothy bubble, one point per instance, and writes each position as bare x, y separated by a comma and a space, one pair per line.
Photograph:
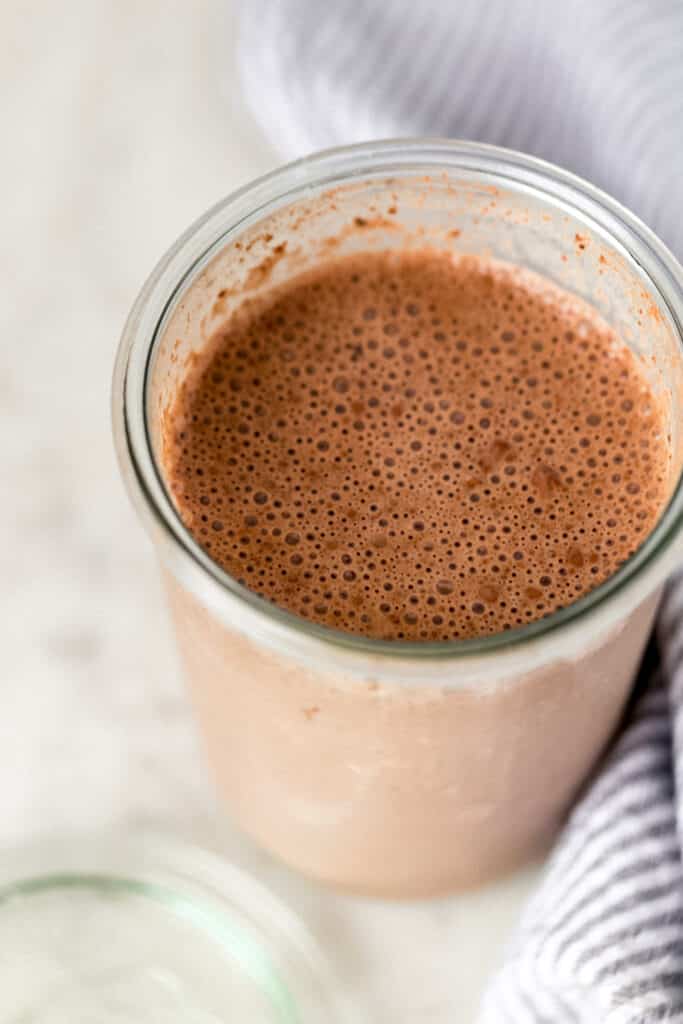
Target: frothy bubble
409, 447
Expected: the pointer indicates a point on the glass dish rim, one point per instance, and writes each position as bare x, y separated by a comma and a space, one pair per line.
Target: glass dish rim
226, 903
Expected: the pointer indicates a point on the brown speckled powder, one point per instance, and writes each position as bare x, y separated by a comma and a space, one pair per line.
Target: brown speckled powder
409, 446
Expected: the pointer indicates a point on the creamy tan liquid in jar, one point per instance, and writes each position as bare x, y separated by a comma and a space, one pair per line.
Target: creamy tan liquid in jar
413, 446
414, 475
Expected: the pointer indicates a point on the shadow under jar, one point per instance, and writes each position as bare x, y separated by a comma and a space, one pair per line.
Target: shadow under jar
387, 767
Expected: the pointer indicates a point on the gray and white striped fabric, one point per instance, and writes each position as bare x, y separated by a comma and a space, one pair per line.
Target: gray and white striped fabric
593, 85
597, 86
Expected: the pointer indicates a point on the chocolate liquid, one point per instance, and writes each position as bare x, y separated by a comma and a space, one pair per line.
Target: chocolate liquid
413, 446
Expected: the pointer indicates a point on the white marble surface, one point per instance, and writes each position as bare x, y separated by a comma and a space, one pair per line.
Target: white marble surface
116, 135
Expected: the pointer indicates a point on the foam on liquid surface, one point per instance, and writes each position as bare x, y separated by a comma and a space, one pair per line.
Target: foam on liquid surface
407, 446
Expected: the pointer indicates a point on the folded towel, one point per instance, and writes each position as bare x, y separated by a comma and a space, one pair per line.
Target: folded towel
597, 86
593, 85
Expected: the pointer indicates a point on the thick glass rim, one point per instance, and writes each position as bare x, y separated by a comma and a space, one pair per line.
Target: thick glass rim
245, 921
344, 165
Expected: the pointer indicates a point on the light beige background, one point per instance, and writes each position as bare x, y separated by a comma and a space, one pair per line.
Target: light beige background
121, 122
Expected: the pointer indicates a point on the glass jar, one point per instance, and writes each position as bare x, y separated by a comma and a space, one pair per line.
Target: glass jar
398, 768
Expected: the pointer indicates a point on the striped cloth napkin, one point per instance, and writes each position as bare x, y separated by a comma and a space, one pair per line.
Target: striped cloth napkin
597, 86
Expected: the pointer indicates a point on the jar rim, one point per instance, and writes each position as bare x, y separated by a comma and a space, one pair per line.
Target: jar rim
210, 232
